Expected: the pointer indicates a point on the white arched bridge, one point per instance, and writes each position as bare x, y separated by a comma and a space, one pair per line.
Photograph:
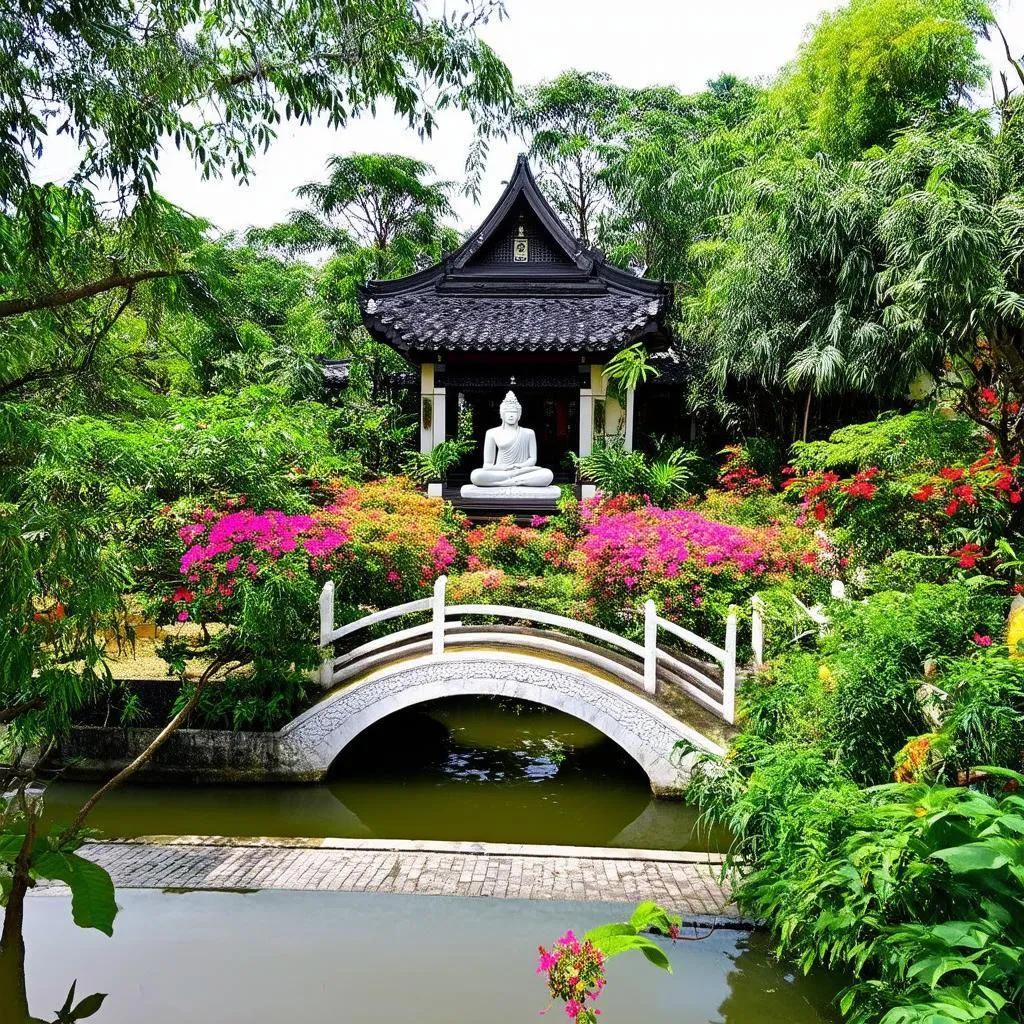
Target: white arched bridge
646, 697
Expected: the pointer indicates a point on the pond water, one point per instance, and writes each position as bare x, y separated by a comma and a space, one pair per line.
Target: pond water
480, 768
268, 957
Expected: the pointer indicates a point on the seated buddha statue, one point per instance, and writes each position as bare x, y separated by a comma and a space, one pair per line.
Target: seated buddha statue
510, 453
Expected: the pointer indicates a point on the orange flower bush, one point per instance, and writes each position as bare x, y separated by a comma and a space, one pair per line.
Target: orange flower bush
526, 551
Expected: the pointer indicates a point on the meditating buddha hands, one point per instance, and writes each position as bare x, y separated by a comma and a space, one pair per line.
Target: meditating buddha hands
510, 453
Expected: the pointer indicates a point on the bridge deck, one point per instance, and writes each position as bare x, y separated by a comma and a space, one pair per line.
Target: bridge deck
686, 883
669, 695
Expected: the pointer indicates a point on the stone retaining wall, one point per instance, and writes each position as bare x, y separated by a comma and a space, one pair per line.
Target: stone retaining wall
200, 755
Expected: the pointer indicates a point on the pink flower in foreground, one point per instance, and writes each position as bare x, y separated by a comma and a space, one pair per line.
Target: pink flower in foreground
982, 641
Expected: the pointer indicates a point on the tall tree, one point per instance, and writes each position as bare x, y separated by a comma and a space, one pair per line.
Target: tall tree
666, 153
563, 121
85, 284
874, 67
368, 200
123, 79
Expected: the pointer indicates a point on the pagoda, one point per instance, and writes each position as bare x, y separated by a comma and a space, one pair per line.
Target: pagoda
524, 305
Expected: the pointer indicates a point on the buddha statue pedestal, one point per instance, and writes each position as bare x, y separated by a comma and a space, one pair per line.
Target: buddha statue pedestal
519, 495
510, 471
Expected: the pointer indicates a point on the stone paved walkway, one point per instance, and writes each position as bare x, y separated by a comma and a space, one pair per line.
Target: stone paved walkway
686, 883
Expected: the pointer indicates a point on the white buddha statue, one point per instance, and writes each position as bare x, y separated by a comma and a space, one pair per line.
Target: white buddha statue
510, 453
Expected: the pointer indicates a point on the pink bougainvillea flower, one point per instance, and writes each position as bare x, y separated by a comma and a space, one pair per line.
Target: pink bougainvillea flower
982, 641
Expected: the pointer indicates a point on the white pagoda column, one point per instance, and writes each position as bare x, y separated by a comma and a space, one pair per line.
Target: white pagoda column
427, 398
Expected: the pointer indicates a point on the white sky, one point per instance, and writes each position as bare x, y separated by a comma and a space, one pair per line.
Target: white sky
638, 42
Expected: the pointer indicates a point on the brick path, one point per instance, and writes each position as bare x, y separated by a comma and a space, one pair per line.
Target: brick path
686, 883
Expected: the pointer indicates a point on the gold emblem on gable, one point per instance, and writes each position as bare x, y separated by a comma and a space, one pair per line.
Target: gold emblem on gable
520, 247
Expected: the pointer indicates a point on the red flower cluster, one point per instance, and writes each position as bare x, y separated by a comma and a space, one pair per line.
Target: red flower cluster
959, 487
967, 555
739, 475
860, 486
814, 486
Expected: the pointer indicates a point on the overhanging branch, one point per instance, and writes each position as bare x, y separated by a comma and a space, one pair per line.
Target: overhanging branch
65, 296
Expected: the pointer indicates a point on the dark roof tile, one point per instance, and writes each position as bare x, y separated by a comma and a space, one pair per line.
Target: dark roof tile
581, 304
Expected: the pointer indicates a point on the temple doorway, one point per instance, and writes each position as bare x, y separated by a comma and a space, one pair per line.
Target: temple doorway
553, 414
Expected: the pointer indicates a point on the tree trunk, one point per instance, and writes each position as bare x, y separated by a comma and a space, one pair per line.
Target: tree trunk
13, 994
807, 412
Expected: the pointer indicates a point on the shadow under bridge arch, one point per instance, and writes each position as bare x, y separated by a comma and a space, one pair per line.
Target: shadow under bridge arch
311, 742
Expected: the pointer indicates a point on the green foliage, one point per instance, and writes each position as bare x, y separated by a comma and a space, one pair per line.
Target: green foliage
983, 716
379, 198
262, 700
629, 367
122, 80
872, 658
424, 467
616, 471
72, 1011
919, 889
665, 155
53, 859
876, 66
913, 889
615, 939
564, 120
897, 443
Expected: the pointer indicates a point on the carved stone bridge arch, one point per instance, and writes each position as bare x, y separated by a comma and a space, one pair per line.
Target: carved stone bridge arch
309, 744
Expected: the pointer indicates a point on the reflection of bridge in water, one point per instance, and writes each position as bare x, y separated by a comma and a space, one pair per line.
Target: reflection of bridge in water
645, 697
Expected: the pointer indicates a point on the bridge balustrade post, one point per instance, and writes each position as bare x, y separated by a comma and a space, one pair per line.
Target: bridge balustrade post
437, 633
650, 646
729, 669
757, 629
326, 629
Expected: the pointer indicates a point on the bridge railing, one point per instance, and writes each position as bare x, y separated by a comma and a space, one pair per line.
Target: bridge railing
718, 696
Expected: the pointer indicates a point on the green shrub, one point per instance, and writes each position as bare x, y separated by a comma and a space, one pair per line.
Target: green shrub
896, 443
984, 720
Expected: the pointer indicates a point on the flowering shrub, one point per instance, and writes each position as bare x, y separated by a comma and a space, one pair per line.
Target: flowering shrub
575, 973
518, 549
740, 475
575, 967
958, 511
382, 543
691, 566
226, 555
258, 576
400, 541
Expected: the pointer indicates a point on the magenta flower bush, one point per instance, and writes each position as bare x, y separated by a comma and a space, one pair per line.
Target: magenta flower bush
691, 566
575, 974
252, 580
243, 543
257, 575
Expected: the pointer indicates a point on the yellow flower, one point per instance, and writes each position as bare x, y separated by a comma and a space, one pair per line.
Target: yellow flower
1015, 628
824, 674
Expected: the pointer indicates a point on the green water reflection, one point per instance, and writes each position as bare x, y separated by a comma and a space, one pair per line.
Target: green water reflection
270, 957
479, 769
